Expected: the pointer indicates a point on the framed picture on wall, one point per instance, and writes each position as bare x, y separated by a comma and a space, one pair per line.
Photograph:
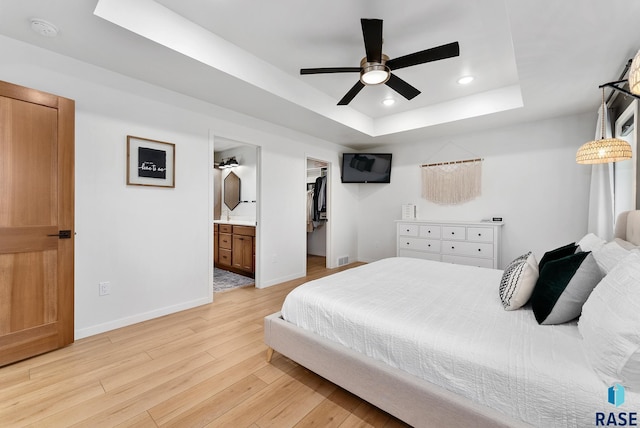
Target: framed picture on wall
150, 162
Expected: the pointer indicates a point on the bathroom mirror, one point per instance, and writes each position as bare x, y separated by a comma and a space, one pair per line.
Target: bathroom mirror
232, 190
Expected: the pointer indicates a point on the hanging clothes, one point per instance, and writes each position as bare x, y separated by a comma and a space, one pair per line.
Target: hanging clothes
310, 225
320, 199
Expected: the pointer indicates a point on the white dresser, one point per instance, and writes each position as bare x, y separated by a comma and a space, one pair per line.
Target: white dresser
466, 243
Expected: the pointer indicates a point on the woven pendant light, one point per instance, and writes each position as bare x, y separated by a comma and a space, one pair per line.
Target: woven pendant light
604, 150
634, 75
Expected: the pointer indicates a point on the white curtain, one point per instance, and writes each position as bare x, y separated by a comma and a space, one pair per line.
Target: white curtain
601, 219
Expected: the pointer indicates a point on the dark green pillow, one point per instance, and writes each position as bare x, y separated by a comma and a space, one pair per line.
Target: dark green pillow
563, 286
558, 253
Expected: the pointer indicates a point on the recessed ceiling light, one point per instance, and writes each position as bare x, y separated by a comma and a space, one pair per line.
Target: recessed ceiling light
465, 80
44, 28
389, 101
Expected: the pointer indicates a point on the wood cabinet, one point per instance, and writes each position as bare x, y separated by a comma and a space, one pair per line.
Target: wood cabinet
235, 248
468, 243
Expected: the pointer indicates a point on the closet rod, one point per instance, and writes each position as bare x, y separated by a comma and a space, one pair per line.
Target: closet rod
452, 162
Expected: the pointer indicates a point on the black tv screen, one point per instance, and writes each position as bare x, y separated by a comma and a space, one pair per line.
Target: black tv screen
366, 168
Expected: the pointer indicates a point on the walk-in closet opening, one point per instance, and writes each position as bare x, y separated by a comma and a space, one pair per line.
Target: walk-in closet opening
318, 190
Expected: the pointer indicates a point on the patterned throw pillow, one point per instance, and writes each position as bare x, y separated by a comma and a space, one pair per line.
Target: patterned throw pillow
518, 281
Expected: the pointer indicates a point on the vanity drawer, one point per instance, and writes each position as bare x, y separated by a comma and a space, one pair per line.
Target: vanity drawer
224, 241
224, 258
454, 232
244, 230
225, 228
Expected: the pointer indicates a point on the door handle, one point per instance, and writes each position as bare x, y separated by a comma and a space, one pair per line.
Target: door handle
63, 234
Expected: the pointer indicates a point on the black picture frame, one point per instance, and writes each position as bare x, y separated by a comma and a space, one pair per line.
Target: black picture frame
150, 162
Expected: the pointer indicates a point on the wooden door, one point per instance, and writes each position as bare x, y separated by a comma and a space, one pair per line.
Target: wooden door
36, 222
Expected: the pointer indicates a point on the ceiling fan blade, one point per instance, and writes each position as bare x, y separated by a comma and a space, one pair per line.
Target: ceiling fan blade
351, 94
372, 34
325, 70
434, 54
402, 87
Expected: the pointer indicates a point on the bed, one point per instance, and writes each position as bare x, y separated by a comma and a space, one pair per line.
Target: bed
432, 344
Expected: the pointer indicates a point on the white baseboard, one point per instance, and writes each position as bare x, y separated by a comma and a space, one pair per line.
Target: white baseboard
134, 319
276, 281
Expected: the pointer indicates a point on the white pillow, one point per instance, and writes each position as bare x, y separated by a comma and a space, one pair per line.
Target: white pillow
609, 255
590, 242
610, 324
518, 281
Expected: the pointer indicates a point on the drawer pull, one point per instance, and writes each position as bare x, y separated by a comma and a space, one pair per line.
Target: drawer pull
479, 249
453, 248
453, 233
428, 231
428, 245
479, 234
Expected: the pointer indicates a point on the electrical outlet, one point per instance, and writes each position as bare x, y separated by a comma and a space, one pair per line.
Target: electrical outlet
104, 288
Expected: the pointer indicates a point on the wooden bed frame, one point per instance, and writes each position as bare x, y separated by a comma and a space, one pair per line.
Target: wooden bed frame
413, 400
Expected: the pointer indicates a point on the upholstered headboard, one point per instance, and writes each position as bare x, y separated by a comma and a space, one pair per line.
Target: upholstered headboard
628, 226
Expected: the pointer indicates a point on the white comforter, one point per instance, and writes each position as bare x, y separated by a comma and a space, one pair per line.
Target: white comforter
445, 323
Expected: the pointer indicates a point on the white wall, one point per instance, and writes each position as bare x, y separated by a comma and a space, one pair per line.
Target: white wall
150, 243
529, 177
154, 244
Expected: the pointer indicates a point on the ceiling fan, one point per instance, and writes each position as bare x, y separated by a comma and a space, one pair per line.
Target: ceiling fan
376, 67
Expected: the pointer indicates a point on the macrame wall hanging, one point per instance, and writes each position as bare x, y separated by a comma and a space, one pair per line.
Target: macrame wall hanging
451, 183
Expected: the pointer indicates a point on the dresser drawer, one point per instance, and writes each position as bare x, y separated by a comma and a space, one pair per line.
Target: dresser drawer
429, 231
419, 244
454, 232
408, 229
467, 243
472, 249
225, 228
480, 234
419, 255
469, 261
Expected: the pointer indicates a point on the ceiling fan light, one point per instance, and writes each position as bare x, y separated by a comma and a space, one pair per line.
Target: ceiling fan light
374, 74
634, 75
388, 101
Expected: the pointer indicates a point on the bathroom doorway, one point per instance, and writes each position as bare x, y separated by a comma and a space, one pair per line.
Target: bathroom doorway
236, 232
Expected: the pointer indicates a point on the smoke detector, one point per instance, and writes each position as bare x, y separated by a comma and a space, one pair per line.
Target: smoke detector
44, 28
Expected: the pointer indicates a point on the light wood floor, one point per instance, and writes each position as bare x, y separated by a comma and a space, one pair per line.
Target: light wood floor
201, 367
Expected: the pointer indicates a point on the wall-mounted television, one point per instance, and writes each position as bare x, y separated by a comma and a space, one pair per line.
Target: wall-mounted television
366, 168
